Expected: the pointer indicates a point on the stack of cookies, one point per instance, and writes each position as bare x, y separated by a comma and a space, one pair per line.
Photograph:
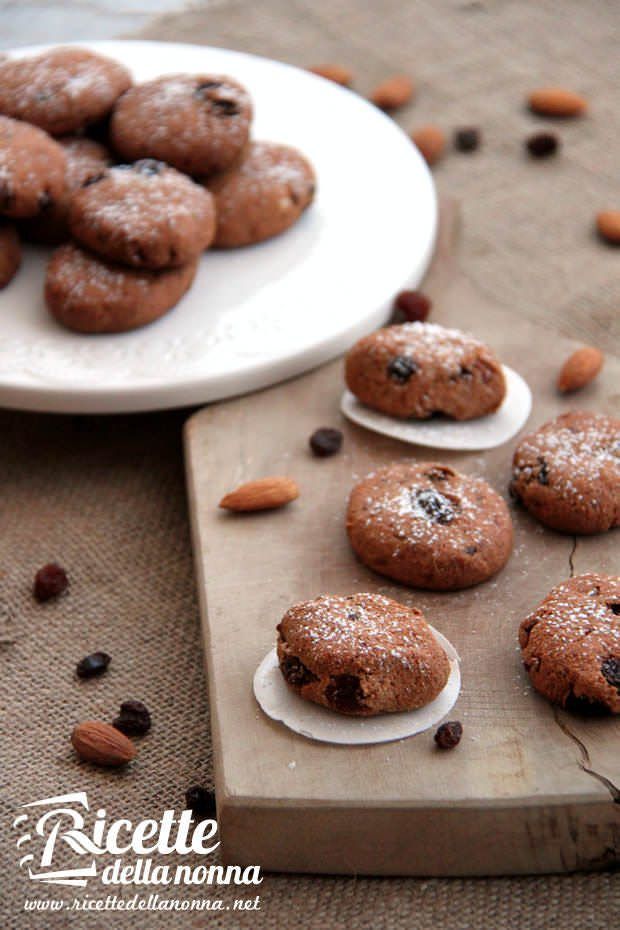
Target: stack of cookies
130, 234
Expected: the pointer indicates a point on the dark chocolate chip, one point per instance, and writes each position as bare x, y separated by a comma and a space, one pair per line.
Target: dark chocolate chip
134, 719
542, 144
50, 581
471, 550
206, 85
201, 801
610, 670
543, 472
94, 664
401, 368
325, 441
615, 608
466, 139
344, 693
223, 106
295, 672
435, 506
449, 734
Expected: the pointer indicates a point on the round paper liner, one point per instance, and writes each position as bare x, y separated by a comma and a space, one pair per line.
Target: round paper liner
318, 723
467, 435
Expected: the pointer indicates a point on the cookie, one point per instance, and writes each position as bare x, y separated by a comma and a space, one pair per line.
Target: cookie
361, 655
10, 253
61, 90
146, 215
85, 160
571, 644
32, 169
567, 473
198, 123
428, 526
262, 196
420, 370
89, 295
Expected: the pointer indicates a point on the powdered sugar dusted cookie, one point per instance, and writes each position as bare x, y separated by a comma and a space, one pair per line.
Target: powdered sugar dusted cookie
146, 215
32, 169
428, 526
361, 655
88, 295
420, 370
85, 160
263, 195
61, 90
571, 644
197, 122
567, 473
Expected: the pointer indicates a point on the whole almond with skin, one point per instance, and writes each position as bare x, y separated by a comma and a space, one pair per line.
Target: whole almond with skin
336, 73
556, 101
608, 225
102, 744
431, 141
394, 92
579, 369
262, 494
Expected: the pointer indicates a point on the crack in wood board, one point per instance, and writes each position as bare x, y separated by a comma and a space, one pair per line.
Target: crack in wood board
571, 557
585, 762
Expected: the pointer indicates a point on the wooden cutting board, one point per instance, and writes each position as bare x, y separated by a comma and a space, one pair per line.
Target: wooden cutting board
530, 788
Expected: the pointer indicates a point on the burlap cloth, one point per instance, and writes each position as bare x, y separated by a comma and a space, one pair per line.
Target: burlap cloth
105, 497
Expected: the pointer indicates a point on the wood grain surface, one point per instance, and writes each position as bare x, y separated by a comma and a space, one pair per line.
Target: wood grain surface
530, 788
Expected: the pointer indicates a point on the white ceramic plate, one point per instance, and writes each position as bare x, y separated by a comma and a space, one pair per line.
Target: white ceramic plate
319, 723
257, 315
464, 435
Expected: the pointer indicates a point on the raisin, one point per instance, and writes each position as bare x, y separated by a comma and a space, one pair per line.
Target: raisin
134, 719
325, 441
543, 473
413, 305
542, 144
94, 664
295, 672
401, 368
610, 670
201, 801
449, 734
466, 139
435, 506
344, 693
50, 581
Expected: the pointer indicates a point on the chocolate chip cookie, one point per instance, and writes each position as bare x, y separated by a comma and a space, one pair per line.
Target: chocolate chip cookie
567, 473
263, 195
197, 122
10, 253
361, 655
571, 644
421, 370
85, 160
32, 169
88, 295
61, 90
428, 526
146, 215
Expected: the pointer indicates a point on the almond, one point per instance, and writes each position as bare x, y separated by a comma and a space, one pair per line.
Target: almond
336, 73
556, 101
394, 92
579, 369
102, 744
262, 494
608, 225
431, 141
